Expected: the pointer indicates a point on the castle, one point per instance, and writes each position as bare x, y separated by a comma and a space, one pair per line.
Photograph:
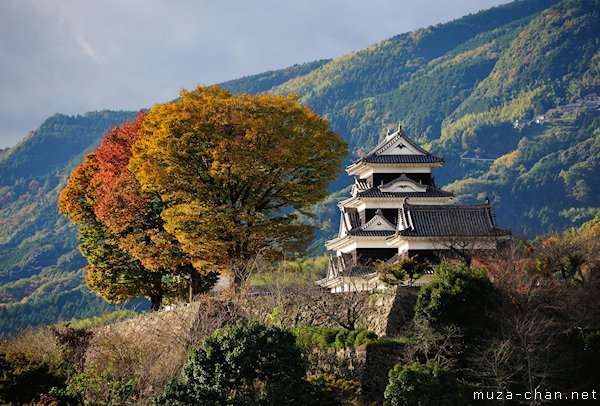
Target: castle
396, 210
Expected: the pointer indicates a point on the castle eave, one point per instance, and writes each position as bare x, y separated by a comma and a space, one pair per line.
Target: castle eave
362, 165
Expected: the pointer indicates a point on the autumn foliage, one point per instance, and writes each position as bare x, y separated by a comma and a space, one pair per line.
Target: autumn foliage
197, 187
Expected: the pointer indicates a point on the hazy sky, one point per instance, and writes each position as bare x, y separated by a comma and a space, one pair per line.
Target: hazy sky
75, 56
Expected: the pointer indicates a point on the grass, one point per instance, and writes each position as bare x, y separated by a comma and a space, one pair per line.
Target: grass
291, 272
98, 321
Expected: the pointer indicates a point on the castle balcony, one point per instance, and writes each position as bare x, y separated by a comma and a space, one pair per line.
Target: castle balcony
345, 275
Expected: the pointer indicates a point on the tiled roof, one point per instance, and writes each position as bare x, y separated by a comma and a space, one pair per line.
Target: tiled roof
375, 233
430, 192
402, 159
359, 270
354, 218
451, 221
387, 143
362, 184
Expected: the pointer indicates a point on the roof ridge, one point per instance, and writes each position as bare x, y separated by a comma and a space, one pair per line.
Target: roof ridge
427, 193
448, 206
401, 159
388, 142
414, 144
381, 144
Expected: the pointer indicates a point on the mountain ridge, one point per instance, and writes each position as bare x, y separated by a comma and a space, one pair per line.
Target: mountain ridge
469, 97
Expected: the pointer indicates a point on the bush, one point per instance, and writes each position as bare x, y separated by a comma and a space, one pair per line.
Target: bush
31, 364
340, 338
23, 380
422, 385
363, 337
390, 343
102, 387
333, 391
244, 364
404, 269
457, 295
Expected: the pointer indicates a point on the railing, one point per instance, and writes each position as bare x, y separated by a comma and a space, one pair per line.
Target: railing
340, 266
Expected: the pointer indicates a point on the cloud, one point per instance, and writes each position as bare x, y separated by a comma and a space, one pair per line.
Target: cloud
73, 56
86, 47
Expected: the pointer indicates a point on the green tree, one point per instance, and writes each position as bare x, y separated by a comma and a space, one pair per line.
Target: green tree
243, 364
457, 295
113, 273
405, 269
232, 172
422, 385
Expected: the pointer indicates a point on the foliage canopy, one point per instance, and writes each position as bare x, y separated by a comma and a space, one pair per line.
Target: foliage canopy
232, 170
243, 364
422, 385
457, 295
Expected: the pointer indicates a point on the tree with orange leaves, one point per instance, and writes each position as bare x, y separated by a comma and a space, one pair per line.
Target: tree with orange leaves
196, 187
135, 216
111, 271
121, 235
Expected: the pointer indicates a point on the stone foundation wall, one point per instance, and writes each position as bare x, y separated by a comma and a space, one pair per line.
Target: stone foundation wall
379, 359
368, 364
346, 363
164, 337
386, 313
390, 312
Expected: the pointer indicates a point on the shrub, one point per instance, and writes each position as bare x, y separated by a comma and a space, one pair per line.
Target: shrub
340, 338
31, 364
363, 337
351, 337
333, 391
102, 387
390, 343
457, 295
308, 337
244, 364
422, 385
23, 380
405, 269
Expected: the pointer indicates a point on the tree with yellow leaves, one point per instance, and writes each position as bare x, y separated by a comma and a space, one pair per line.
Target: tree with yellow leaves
233, 171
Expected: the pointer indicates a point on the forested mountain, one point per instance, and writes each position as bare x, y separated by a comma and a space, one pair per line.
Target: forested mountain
506, 95
41, 270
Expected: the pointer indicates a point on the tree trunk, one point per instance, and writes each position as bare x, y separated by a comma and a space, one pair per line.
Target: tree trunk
156, 301
195, 283
236, 281
468, 260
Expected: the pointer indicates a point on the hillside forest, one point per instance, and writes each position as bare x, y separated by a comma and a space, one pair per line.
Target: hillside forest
508, 96
168, 256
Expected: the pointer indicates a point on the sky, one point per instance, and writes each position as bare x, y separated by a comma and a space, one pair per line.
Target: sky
73, 56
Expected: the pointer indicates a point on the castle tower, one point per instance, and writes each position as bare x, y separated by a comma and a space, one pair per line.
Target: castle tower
396, 209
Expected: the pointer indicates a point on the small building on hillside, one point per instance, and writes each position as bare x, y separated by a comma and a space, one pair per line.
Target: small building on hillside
395, 209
